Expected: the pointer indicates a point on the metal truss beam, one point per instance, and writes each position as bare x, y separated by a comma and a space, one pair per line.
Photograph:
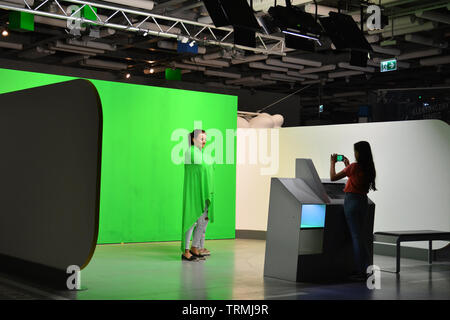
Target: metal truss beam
134, 21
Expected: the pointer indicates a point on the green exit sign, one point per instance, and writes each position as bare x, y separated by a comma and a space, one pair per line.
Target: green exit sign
388, 65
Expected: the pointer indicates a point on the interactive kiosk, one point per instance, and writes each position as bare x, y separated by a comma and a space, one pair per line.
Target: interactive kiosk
307, 236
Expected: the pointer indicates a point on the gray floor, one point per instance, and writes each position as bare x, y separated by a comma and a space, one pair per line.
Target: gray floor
233, 271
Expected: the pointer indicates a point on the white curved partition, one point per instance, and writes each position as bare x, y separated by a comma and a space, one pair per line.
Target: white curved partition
411, 158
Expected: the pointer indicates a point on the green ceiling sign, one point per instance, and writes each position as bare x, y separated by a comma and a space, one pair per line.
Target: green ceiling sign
388, 65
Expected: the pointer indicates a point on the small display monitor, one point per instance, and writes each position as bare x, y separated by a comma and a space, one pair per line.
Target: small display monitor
313, 216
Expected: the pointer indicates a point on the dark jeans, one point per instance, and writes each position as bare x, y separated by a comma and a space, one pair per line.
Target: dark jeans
355, 210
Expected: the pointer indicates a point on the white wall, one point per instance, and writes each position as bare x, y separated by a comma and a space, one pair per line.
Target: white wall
412, 160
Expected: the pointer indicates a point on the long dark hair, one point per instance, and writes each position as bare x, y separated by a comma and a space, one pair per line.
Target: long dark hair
194, 134
365, 160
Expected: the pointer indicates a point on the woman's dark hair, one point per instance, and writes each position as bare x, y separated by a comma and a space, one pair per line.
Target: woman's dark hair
194, 134
365, 160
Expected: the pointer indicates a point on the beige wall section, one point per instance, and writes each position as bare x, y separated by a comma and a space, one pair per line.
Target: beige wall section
412, 159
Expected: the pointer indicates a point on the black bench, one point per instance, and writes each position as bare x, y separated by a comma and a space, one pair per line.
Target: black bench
397, 237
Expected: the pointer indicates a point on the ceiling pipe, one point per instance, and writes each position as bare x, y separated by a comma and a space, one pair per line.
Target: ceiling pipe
300, 61
11, 45
187, 66
347, 65
36, 53
399, 32
268, 77
415, 38
279, 63
328, 67
434, 16
222, 74
72, 50
213, 63
282, 76
419, 54
435, 61
260, 65
307, 76
92, 44
103, 64
342, 74
61, 45
256, 57
391, 51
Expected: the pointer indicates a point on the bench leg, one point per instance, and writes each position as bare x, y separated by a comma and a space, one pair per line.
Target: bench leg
430, 252
397, 267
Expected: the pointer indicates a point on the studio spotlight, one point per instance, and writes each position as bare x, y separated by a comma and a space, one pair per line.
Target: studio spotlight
152, 70
301, 30
127, 75
5, 33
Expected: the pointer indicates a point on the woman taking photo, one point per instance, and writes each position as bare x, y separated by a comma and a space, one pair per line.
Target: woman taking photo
198, 197
361, 178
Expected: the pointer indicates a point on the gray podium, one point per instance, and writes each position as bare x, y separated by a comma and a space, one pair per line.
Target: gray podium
307, 237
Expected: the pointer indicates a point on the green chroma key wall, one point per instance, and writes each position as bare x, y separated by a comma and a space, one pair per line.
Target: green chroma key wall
141, 188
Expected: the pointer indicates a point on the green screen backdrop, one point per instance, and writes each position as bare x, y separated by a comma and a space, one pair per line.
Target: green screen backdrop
141, 188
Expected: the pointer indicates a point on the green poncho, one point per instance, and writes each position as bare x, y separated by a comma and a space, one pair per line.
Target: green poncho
198, 189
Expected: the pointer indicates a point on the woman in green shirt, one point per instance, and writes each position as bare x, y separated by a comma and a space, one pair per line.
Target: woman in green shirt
198, 196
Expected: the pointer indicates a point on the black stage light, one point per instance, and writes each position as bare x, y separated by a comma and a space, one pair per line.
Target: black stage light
238, 14
231, 12
295, 42
344, 32
296, 19
216, 12
267, 23
298, 26
346, 35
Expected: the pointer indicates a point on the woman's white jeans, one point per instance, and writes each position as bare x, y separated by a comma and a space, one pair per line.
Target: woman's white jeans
199, 230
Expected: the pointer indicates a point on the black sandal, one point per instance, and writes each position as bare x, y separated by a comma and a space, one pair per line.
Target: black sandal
198, 256
192, 258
